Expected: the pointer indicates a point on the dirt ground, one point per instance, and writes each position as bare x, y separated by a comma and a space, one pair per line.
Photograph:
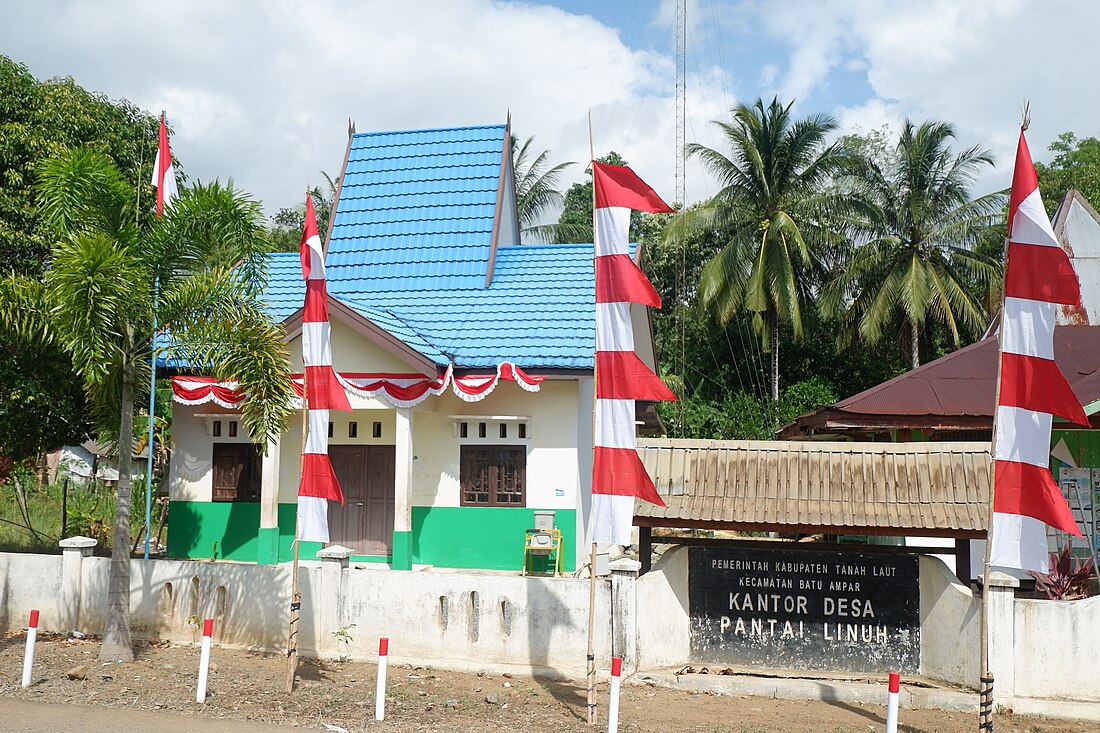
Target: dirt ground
340, 695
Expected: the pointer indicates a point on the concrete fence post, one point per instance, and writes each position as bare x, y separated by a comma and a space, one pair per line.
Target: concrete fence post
331, 599
1002, 636
73, 552
624, 611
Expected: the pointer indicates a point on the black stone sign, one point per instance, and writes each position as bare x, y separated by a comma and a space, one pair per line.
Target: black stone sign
845, 611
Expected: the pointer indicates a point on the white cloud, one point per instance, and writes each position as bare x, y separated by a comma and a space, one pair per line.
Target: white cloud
262, 92
972, 64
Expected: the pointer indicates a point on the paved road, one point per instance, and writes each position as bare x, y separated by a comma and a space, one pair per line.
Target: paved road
22, 716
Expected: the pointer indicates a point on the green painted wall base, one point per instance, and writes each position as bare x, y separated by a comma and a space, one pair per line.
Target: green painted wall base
200, 530
402, 558
267, 546
490, 538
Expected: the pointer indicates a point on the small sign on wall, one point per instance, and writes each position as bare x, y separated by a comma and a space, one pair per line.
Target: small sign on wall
855, 612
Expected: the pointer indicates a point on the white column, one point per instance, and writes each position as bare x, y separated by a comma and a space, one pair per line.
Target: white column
330, 600
1002, 636
402, 504
624, 611
73, 552
269, 487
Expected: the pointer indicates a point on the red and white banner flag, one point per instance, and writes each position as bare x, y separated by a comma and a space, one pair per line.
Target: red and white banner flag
1038, 278
621, 378
164, 174
318, 484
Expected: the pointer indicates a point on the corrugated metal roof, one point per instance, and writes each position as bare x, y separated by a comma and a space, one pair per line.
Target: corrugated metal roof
964, 382
809, 486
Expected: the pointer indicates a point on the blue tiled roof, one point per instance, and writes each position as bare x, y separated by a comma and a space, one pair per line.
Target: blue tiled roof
410, 250
416, 205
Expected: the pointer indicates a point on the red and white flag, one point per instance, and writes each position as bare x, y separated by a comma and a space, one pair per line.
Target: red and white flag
318, 484
164, 174
1038, 278
618, 475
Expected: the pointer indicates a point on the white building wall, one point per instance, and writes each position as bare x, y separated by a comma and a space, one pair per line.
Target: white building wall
552, 472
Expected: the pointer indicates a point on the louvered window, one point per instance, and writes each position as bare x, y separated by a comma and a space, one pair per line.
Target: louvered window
493, 475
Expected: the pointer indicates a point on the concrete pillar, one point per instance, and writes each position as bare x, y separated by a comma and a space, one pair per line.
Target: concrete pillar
1002, 638
73, 552
624, 611
330, 599
402, 504
267, 549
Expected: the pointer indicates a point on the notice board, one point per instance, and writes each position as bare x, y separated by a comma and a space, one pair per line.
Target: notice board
845, 611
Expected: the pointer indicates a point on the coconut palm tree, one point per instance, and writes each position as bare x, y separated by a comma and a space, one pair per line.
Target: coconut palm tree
916, 233
202, 265
537, 190
771, 211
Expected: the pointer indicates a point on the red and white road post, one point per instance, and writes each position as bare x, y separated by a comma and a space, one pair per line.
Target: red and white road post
380, 688
613, 702
204, 659
892, 703
28, 655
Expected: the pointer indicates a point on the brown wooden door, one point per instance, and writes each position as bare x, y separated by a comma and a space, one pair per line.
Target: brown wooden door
366, 475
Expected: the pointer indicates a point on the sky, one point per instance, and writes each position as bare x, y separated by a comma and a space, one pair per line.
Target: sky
261, 92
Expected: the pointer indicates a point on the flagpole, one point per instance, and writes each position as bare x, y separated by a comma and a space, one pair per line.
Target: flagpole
295, 593
591, 672
152, 395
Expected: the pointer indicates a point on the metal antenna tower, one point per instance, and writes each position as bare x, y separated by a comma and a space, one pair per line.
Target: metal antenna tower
681, 97
680, 358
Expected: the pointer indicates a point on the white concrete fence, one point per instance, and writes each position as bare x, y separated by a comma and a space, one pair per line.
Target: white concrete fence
1043, 651
456, 620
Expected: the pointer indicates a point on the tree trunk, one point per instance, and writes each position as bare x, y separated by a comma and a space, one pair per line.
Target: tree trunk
117, 645
914, 343
775, 357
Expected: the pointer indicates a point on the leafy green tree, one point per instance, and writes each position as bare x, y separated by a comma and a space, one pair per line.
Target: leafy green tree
575, 222
772, 212
1076, 165
41, 400
537, 190
99, 291
917, 229
286, 232
39, 120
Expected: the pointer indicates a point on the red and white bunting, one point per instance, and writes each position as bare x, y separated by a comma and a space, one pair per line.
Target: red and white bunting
618, 476
318, 484
1039, 277
164, 174
399, 390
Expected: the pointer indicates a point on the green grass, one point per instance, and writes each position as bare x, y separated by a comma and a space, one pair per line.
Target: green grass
90, 511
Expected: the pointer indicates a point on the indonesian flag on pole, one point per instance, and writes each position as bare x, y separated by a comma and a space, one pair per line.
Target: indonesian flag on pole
164, 175
318, 484
1039, 277
618, 476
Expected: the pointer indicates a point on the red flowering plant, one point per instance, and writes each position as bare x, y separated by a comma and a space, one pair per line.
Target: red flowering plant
1067, 580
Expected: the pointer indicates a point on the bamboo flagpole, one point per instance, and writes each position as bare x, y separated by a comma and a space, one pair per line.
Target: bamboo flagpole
620, 377
295, 592
1026, 501
321, 392
590, 674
